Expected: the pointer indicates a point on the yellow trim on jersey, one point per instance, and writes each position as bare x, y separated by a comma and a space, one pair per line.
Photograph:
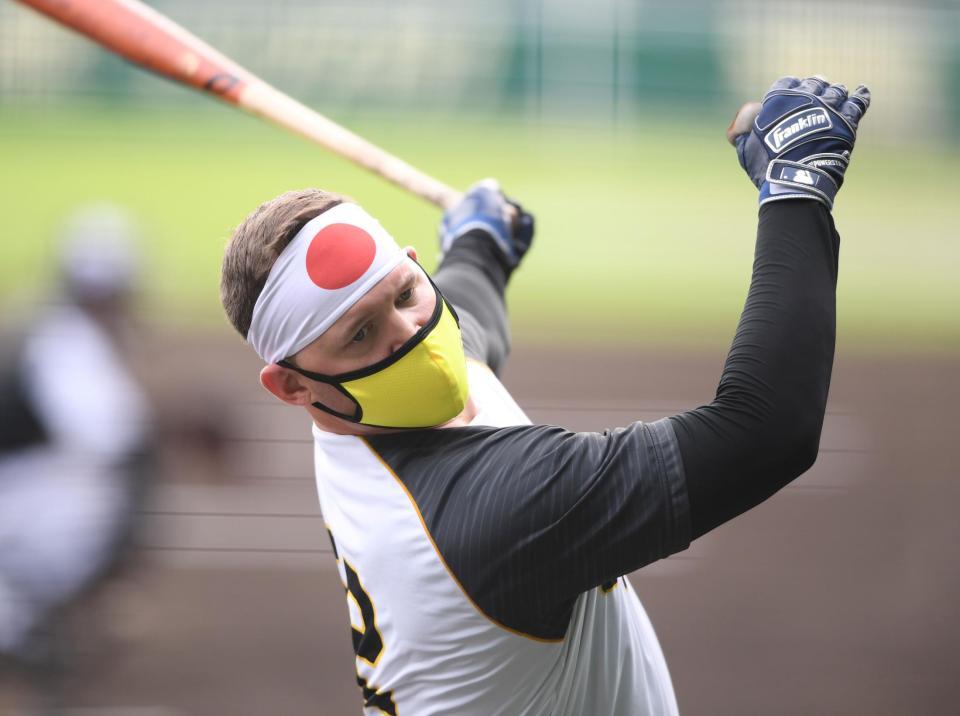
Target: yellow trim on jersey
426, 530
607, 590
362, 626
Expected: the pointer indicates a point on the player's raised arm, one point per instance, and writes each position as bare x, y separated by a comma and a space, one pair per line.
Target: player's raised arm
763, 428
482, 240
573, 511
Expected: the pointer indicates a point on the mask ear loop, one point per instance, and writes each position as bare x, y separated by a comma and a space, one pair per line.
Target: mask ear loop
357, 413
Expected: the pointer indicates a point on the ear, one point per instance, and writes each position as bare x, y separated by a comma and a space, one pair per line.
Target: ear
285, 384
411, 252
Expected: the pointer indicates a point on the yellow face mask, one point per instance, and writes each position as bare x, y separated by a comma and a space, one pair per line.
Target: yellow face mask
421, 385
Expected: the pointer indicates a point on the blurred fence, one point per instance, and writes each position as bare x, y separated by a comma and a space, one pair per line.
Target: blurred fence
548, 60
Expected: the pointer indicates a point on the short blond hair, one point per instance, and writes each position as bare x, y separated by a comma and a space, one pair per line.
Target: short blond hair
258, 241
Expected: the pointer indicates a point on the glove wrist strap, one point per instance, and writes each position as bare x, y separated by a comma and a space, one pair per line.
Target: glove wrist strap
794, 180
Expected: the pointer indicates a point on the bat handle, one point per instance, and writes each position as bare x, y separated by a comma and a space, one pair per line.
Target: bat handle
437, 192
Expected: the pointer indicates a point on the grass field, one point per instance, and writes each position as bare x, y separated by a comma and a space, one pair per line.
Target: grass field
645, 230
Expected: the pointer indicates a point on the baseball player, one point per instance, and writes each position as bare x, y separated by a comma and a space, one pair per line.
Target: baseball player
75, 461
483, 556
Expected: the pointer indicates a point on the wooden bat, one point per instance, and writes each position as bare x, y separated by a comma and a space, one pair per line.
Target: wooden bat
147, 38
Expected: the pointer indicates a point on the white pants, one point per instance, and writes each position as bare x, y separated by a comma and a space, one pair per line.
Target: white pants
59, 515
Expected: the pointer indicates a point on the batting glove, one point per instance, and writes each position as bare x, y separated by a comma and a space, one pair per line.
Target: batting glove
485, 208
797, 143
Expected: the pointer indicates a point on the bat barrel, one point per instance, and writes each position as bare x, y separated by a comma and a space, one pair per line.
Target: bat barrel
143, 36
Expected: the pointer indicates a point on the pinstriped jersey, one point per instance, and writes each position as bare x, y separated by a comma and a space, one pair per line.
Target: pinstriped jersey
483, 564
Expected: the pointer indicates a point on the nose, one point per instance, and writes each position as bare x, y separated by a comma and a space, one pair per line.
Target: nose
405, 326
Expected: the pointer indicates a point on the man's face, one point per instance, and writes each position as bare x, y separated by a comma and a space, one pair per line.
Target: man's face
375, 326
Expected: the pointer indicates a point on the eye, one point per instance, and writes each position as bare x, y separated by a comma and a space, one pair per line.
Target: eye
405, 296
361, 334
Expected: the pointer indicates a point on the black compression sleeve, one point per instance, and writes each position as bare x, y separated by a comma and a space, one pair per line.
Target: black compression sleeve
763, 428
473, 278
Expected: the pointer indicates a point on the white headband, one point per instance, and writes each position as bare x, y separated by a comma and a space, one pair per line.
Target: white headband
330, 264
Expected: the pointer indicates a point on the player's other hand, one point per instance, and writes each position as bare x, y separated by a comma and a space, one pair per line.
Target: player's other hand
485, 208
797, 143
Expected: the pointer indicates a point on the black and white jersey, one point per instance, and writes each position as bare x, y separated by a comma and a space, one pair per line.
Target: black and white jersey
483, 563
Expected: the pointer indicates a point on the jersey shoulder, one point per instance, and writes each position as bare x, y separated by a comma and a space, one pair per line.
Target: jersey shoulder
529, 517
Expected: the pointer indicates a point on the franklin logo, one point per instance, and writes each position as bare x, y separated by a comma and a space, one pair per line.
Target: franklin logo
796, 127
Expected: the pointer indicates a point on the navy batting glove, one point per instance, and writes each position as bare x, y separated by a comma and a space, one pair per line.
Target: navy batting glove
797, 143
485, 208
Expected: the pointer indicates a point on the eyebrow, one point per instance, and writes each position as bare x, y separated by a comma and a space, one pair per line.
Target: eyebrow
354, 325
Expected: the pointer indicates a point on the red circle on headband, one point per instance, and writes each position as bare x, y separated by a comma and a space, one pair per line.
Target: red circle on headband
338, 255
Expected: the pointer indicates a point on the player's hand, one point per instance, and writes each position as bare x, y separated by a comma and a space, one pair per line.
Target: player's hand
797, 143
484, 207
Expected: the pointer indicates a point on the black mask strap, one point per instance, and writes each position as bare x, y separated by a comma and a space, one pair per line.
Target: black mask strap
331, 381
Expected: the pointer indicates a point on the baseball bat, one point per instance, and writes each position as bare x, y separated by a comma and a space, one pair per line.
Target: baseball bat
147, 38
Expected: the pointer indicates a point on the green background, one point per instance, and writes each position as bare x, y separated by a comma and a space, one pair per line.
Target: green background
645, 228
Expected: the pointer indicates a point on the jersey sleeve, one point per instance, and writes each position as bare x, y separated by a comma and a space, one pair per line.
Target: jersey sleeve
528, 518
473, 336
474, 280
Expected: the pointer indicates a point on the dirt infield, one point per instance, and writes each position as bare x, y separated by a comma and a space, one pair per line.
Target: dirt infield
836, 596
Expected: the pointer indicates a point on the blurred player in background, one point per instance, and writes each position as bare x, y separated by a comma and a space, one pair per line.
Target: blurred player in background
483, 556
75, 456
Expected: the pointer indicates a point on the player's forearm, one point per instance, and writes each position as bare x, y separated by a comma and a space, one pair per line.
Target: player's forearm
474, 252
474, 279
763, 428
